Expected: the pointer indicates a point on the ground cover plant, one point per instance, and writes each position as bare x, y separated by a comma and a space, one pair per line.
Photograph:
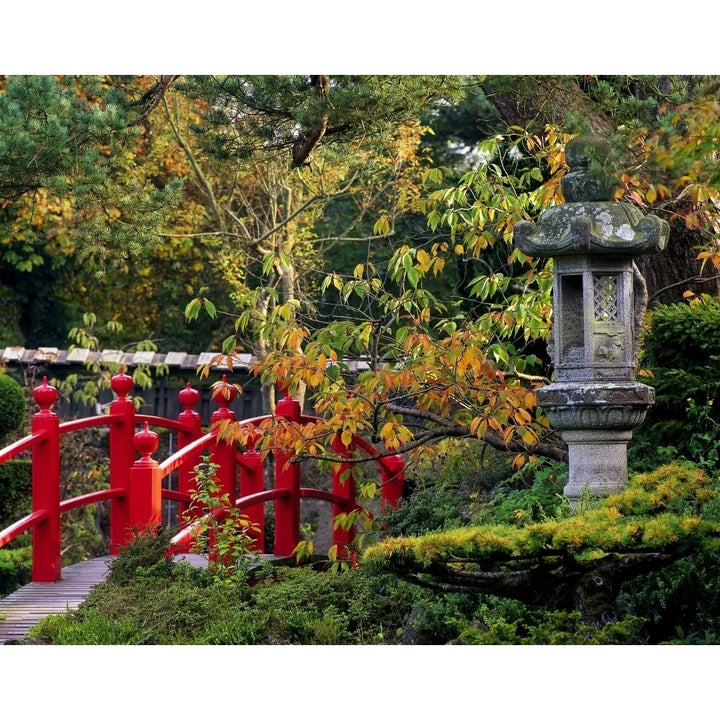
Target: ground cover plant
652, 546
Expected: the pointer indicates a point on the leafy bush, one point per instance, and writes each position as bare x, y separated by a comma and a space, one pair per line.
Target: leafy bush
15, 502
145, 555
577, 560
428, 508
13, 407
96, 629
681, 351
15, 568
534, 493
561, 627
679, 602
15, 490
231, 554
442, 492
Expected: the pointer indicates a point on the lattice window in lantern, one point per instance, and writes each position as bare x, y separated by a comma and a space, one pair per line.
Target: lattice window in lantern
605, 297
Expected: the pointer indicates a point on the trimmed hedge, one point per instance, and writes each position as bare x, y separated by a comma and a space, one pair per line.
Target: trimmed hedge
15, 490
681, 349
15, 502
13, 408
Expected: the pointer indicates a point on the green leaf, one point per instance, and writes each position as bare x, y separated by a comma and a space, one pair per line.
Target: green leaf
209, 307
192, 309
267, 264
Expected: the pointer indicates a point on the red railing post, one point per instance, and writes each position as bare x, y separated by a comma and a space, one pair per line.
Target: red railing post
223, 453
46, 487
252, 480
122, 456
145, 489
343, 484
392, 477
287, 477
192, 430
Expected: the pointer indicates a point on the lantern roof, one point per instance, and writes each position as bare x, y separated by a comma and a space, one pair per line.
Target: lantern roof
589, 222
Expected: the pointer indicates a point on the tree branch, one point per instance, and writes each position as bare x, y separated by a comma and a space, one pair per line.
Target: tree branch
449, 429
151, 99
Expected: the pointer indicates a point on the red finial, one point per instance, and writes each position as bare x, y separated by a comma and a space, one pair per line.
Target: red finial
189, 398
122, 384
45, 395
146, 443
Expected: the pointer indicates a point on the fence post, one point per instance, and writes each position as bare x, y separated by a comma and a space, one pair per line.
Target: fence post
145, 489
122, 456
252, 480
287, 477
192, 430
223, 453
46, 565
343, 484
392, 477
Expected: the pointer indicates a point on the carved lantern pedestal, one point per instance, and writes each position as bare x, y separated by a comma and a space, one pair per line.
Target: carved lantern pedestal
594, 400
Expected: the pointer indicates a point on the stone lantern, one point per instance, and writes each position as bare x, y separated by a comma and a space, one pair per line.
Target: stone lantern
594, 400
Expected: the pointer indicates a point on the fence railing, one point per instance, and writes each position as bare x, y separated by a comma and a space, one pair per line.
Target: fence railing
138, 485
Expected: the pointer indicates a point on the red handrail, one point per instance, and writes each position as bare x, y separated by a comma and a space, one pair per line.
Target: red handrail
177, 459
23, 525
26, 443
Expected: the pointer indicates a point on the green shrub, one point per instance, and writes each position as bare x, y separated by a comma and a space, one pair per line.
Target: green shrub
681, 350
681, 602
15, 490
500, 621
428, 508
163, 604
443, 491
15, 568
13, 407
144, 556
304, 606
534, 493
232, 542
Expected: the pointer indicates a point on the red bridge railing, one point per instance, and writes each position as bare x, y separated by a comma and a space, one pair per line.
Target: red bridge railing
136, 484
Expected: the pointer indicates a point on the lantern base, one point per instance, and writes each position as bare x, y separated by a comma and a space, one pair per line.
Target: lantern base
597, 462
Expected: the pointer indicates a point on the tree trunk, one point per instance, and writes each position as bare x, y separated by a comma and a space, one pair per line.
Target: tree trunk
536, 101
676, 269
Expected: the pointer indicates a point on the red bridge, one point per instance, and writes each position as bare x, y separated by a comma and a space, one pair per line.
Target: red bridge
138, 485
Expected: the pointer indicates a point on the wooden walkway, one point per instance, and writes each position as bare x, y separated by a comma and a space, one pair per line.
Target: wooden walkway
32, 602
